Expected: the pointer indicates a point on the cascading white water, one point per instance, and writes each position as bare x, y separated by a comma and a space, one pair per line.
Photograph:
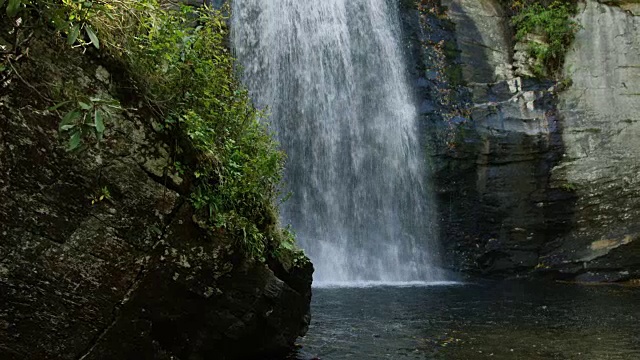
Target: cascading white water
333, 76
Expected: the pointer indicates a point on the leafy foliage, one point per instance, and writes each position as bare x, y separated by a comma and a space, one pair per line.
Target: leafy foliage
187, 74
181, 67
70, 17
103, 194
287, 251
85, 118
73, 18
552, 22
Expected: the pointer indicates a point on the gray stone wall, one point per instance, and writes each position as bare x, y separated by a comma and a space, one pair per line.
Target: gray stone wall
601, 119
542, 176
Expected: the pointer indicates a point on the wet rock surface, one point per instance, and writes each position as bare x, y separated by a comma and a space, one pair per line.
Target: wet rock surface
601, 120
101, 256
533, 176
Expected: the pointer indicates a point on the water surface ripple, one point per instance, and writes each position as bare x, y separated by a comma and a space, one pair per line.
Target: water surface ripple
508, 320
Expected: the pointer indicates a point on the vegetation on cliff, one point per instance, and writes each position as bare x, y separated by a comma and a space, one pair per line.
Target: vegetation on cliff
182, 73
547, 29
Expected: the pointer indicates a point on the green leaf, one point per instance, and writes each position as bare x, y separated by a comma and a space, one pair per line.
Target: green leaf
84, 106
13, 7
98, 122
107, 13
59, 23
58, 105
2, 67
156, 230
67, 127
115, 105
69, 119
93, 36
74, 141
73, 34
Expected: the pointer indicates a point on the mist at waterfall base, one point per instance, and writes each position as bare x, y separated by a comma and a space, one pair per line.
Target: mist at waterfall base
333, 77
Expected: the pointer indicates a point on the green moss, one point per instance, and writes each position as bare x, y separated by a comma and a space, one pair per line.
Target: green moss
569, 187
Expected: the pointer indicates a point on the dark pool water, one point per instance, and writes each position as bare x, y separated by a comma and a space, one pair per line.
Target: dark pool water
507, 320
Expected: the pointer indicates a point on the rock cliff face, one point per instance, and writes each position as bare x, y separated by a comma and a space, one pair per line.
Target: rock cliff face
101, 256
601, 134
533, 175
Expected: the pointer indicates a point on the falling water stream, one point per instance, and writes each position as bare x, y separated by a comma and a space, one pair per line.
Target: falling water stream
332, 74
333, 77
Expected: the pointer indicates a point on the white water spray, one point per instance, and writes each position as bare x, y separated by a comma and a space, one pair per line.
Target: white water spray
333, 76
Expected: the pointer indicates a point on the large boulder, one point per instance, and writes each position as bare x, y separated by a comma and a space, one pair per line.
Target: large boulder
101, 255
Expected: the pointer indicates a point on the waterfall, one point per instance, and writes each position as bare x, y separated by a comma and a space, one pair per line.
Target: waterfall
333, 77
